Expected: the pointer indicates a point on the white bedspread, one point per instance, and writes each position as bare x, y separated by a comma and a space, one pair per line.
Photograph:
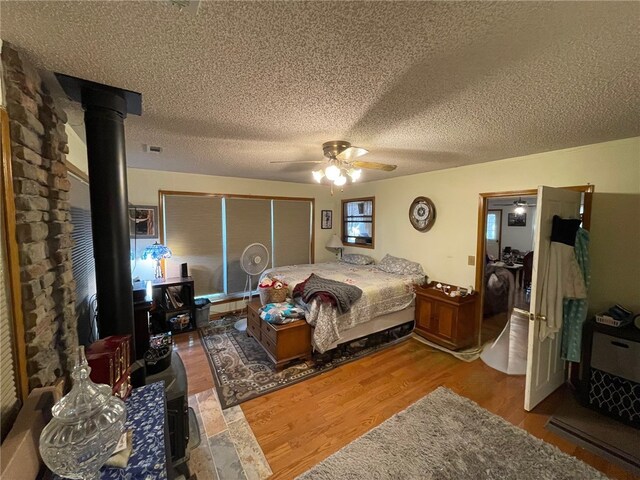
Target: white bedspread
382, 293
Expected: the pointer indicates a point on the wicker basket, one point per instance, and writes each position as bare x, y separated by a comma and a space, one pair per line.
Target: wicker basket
264, 295
277, 295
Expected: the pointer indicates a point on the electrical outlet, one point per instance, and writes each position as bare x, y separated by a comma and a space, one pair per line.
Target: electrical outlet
471, 260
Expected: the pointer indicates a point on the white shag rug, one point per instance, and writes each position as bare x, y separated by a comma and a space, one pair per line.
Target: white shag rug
446, 436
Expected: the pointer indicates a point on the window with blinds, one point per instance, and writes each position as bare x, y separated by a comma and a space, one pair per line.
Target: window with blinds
492, 226
291, 232
210, 232
9, 402
84, 270
358, 221
247, 221
193, 232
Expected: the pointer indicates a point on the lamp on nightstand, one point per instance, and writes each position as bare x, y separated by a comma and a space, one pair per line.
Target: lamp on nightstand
336, 243
156, 252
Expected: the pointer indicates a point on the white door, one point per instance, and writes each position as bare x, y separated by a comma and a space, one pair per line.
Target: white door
545, 368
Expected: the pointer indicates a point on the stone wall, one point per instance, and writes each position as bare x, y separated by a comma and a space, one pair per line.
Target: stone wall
43, 219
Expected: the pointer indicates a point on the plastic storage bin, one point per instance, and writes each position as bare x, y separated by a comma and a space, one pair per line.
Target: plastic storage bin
203, 306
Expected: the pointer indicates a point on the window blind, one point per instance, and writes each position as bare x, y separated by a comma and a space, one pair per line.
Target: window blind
83, 263
248, 221
358, 222
291, 232
9, 402
193, 232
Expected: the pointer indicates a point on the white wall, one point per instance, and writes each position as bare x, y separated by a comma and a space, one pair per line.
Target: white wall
520, 238
613, 167
77, 150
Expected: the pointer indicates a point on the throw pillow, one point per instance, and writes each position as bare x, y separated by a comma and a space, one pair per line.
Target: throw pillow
357, 259
400, 266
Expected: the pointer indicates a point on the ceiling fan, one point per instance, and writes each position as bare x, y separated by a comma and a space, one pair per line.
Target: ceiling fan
516, 203
341, 163
520, 205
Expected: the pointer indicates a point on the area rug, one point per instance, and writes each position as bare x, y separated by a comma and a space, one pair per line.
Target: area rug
242, 370
593, 431
446, 436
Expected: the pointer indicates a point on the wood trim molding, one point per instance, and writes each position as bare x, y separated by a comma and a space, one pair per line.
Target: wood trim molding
373, 221
76, 171
233, 195
13, 259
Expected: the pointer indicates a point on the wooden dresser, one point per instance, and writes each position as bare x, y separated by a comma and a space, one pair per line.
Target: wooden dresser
448, 321
283, 343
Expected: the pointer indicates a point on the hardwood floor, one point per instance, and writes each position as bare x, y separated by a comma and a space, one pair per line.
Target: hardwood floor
189, 347
300, 425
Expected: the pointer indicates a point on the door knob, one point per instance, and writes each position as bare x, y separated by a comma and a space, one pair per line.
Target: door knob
537, 317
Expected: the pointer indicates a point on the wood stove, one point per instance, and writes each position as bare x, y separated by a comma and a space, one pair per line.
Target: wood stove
105, 108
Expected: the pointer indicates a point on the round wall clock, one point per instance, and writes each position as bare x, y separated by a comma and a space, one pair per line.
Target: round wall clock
422, 214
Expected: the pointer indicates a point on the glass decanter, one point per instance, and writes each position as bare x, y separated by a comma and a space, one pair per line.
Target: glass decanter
86, 426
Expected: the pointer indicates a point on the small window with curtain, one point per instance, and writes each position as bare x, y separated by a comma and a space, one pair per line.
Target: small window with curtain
492, 226
358, 222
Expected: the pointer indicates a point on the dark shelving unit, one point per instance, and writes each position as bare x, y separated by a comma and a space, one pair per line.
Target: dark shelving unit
167, 294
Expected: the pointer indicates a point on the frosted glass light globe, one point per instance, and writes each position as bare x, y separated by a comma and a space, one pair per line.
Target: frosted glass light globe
317, 175
341, 180
355, 174
332, 172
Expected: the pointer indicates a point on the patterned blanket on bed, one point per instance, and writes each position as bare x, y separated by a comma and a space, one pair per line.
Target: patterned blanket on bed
382, 293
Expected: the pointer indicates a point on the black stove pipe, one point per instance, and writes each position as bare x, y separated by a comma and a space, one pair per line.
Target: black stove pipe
105, 110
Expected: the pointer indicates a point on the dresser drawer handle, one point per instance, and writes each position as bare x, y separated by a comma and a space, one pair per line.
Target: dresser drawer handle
619, 344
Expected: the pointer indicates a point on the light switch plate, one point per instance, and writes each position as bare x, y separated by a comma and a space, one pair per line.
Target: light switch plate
471, 260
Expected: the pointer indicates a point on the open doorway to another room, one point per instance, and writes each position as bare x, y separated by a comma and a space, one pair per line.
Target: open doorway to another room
507, 235
508, 260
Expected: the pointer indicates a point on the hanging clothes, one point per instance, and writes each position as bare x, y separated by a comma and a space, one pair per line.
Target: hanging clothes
562, 278
575, 310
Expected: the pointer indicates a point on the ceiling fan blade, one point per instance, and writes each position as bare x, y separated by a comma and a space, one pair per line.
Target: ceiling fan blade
350, 153
374, 166
297, 161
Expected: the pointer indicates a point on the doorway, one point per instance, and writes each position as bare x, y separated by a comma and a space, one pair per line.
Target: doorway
509, 233
505, 200
568, 202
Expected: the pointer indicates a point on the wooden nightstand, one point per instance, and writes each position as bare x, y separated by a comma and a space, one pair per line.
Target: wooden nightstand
283, 343
447, 321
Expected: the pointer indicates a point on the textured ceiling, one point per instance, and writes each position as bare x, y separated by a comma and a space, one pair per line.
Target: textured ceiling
422, 85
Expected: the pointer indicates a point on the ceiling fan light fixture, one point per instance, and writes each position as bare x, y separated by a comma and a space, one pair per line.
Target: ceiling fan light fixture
352, 153
332, 172
355, 174
341, 180
318, 175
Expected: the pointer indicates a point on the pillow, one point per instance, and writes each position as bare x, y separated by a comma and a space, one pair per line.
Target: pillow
357, 259
400, 266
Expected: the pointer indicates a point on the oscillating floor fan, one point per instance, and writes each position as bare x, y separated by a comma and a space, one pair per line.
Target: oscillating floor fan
253, 261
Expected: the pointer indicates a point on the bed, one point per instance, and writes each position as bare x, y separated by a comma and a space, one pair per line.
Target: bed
387, 300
